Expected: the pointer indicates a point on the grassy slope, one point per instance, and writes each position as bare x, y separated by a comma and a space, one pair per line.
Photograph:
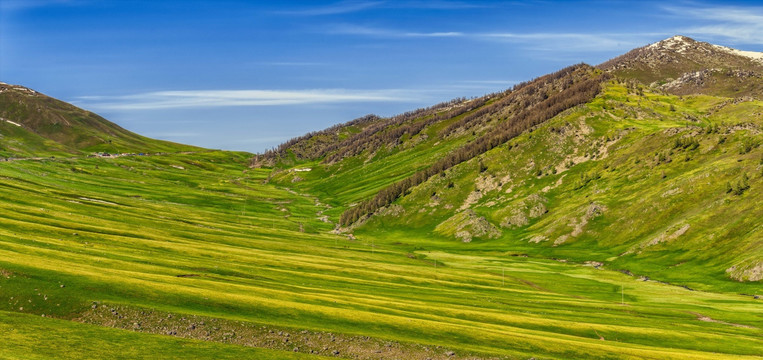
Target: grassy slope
359, 177
50, 127
17, 141
32, 337
590, 186
119, 231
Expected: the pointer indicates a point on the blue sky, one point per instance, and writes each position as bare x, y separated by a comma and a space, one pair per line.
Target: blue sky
247, 75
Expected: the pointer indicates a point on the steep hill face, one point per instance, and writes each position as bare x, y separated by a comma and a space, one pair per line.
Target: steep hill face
660, 186
411, 147
32, 123
682, 65
371, 133
654, 171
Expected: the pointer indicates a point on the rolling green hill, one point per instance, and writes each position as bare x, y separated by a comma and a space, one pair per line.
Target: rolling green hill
33, 124
591, 213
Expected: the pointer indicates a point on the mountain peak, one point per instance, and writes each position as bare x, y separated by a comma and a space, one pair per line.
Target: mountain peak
678, 43
712, 69
683, 44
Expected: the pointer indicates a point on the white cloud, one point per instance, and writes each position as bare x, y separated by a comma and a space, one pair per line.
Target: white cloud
343, 7
557, 42
388, 33
441, 5
562, 42
740, 24
229, 98
732, 23
434, 34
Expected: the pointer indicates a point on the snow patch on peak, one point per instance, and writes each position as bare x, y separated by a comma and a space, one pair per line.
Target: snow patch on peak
681, 44
678, 38
678, 43
757, 56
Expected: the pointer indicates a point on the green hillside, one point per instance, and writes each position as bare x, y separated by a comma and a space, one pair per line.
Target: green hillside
640, 179
655, 184
33, 124
585, 214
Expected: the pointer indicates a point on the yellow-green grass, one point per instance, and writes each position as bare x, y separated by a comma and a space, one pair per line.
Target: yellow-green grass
616, 143
357, 178
120, 231
27, 336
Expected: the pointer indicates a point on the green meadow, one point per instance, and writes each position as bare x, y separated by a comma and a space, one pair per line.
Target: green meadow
138, 256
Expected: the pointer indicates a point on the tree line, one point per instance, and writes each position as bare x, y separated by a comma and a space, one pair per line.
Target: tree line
392, 132
376, 132
271, 156
580, 84
523, 96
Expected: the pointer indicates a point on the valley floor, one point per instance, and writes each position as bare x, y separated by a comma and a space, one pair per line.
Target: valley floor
137, 256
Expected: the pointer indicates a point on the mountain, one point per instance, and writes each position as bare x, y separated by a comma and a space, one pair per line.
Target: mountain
681, 65
615, 176
33, 124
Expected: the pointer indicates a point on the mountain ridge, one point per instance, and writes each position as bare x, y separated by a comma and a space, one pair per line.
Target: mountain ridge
374, 168
661, 57
387, 183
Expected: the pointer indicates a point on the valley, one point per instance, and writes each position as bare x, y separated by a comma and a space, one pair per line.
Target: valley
212, 241
621, 223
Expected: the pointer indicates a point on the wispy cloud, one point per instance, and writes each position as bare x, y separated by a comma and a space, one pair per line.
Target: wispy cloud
556, 41
734, 23
230, 98
343, 7
566, 42
441, 5
346, 29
